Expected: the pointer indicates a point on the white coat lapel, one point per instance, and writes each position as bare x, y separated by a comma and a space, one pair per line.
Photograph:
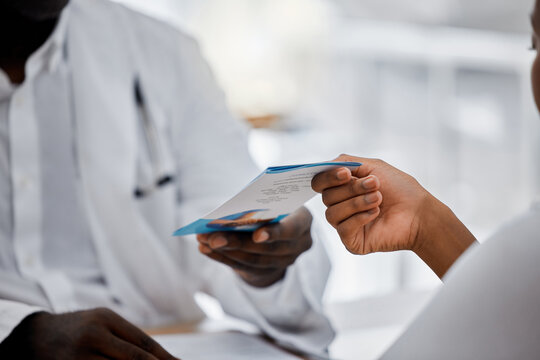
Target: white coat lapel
103, 76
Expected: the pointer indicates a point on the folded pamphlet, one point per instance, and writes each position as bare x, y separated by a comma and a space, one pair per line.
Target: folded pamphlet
273, 195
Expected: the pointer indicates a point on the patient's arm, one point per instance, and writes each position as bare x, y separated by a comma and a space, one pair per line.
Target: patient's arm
442, 238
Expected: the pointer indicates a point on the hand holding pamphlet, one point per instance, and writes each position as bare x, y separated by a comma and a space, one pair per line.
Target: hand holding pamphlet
270, 197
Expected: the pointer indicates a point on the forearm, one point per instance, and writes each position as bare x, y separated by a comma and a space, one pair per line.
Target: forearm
441, 238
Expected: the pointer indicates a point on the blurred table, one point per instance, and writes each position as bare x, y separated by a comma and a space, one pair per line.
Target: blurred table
213, 326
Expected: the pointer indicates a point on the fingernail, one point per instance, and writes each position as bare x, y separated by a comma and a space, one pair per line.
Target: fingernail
263, 236
371, 198
342, 174
369, 183
218, 242
205, 249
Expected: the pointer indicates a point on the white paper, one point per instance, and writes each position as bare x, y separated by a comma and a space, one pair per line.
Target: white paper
221, 346
273, 195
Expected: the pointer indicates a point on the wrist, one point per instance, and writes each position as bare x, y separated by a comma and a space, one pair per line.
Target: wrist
262, 281
441, 238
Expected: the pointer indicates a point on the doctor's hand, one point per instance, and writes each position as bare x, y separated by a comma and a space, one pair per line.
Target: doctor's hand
94, 334
378, 208
261, 258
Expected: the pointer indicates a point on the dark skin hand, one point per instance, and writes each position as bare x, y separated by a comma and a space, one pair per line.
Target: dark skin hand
24, 26
84, 335
378, 208
261, 258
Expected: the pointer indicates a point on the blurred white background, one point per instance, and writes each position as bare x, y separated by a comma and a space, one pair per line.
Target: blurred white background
439, 88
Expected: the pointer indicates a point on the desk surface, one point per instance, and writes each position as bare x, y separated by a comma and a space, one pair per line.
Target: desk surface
187, 328
209, 326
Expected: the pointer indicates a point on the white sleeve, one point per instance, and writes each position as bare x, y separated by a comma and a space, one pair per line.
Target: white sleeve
213, 163
210, 145
489, 306
291, 311
11, 314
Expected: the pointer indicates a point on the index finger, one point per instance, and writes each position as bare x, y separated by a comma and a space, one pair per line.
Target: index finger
132, 334
330, 178
292, 227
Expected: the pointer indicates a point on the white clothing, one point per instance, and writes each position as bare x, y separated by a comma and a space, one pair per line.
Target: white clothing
121, 253
489, 306
48, 88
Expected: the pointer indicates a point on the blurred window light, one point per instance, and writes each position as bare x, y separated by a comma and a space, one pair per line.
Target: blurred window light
253, 47
439, 88
480, 118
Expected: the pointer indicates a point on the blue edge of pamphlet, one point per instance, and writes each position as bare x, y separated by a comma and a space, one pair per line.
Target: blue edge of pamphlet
201, 226
282, 169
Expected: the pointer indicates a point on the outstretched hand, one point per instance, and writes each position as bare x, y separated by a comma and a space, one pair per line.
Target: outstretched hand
377, 208
374, 208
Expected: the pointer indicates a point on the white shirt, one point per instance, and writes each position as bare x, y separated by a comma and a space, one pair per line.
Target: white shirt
79, 237
63, 227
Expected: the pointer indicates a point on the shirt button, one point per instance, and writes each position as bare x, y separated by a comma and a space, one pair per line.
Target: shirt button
24, 182
30, 261
19, 101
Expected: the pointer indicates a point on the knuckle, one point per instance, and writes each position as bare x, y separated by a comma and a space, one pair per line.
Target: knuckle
138, 355
355, 187
259, 260
100, 314
307, 244
381, 163
329, 215
289, 260
242, 267
147, 344
103, 311
274, 247
274, 232
315, 183
233, 242
327, 197
90, 334
357, 203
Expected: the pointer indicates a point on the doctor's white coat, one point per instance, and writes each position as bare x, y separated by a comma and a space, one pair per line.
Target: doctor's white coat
110, 49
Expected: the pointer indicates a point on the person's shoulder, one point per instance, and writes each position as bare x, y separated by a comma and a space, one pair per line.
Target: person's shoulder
526, 226
150, 31
517, 239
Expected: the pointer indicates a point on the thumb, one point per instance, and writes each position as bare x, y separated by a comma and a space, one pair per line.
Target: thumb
362, 171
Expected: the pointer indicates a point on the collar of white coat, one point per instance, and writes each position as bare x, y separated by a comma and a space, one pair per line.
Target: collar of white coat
49, 55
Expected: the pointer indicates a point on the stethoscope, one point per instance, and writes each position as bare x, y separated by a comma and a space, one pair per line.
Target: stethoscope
153, 145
